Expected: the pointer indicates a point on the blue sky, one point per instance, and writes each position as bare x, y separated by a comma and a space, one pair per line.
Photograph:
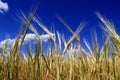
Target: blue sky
72, 11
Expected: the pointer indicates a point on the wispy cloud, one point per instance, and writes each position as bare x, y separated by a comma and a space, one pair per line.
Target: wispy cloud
29, 38
3, 7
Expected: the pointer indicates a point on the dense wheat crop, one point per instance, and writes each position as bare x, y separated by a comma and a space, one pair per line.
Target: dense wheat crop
70, 63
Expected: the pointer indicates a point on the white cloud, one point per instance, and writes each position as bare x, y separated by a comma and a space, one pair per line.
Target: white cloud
3, 7
9, 41
29, 38
46, 37
32, 37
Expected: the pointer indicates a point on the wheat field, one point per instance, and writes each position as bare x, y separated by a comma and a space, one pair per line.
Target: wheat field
62, 64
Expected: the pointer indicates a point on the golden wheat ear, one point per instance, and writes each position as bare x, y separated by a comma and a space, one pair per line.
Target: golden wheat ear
110, 29
27, 21
109, 25
68, 27
44, 28
32, 28
80, 27
59, 40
